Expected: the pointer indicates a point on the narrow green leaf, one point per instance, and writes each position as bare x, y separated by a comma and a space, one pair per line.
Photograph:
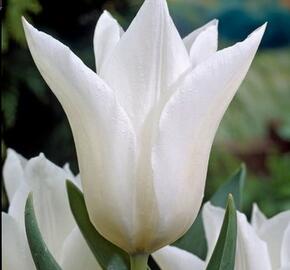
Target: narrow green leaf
235, 186
194, 240
223, 257
107, 254
42, 258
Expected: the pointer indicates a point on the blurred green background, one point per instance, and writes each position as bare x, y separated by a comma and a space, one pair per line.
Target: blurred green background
255, 129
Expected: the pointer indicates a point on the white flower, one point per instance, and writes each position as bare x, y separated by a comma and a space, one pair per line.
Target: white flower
262, 245
58, 228
144, 124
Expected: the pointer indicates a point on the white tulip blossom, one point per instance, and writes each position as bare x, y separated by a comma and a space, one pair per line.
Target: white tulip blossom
144, 123
262, 245
56, 223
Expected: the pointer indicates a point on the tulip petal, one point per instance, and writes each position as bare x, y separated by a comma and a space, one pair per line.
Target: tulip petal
212, 220
190, 38
285, 250
272, 232
76, 254
103, 134
149, 57
187, 127
15, 251
17, 205
250, 248
13, 172
249, 245
107, 34
172, 258
258, 218
47, 182
205, 45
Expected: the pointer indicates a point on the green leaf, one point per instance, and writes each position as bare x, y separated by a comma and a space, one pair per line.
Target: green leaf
107, 254
42, 258
194, 240
235, 186
223, 257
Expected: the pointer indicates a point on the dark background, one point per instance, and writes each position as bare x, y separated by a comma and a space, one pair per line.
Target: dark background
255, 129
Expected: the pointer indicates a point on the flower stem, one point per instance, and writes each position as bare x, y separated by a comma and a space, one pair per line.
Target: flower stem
139, 261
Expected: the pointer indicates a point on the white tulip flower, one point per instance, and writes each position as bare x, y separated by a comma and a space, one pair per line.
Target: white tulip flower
144, 124
262, 245
56, 223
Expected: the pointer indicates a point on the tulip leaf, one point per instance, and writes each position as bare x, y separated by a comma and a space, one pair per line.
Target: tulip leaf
223, 257
107, 254
194, 240
42, 258
235, 186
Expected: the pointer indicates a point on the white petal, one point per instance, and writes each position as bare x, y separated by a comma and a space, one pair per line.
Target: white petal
187, 127
47, 182
13, 172
249, 246
76, 254
17, 205
189, 39
258, 218
205, 45
66, 167
107, 34
173, 258
15, 251
212, 220
149, 57
252, 252
104, 138
285, 249
285, 267
272, 232
78, 181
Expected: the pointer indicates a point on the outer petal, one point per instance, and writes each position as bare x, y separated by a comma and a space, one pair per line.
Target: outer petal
47, 182
173, 258
76, 254
15, 250
17, 205
186, 131
212, 219
285, 250
272, 232
103, 135
189, 39
205, 45
286, 267
148, 59
258, 218
13, 172
107, 34
249, 246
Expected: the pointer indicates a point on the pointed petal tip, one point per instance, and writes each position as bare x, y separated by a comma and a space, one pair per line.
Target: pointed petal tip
259, 32
213, 22
106, 13
26, 24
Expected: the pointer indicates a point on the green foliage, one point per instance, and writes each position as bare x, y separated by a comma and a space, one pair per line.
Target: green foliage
108, 255
194, 239
275, 185
263, 96
234, 185
223, 257
12, 26
42, 258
